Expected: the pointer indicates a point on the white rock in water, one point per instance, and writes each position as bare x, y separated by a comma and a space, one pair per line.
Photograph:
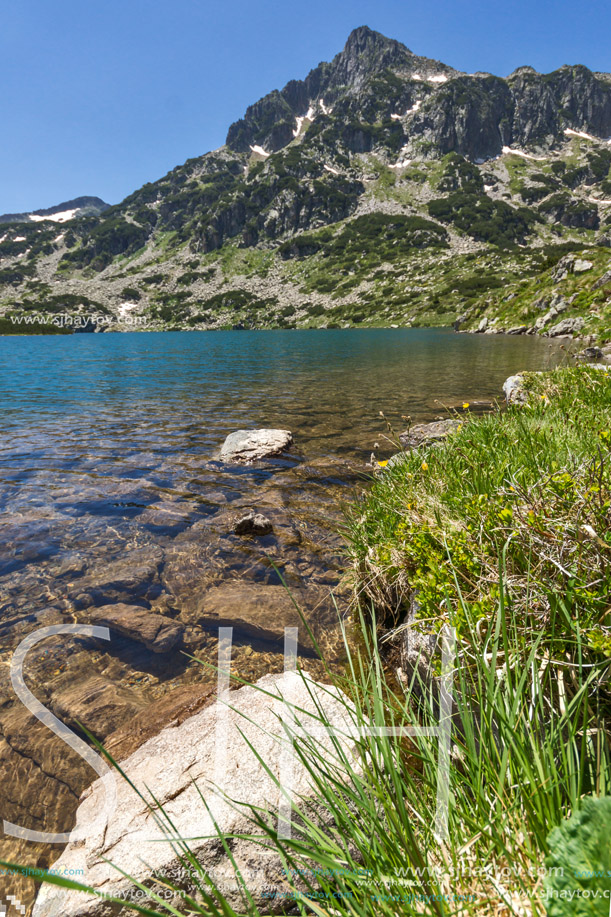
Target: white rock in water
248, 446
170, 765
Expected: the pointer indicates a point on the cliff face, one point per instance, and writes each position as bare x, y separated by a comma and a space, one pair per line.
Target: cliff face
476, 116
483, 162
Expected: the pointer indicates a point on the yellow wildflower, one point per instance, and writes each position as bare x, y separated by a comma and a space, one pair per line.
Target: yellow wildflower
424, 466
465, 405
383, 464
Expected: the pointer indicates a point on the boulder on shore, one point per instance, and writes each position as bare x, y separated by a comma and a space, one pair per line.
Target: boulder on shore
566, 326
175, 767
425, 434
514, 390
247, 446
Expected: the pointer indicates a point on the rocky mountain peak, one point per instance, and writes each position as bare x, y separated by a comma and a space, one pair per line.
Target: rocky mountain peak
366, 51
365, 54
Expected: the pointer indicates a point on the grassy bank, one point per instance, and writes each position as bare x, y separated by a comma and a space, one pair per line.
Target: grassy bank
526, 490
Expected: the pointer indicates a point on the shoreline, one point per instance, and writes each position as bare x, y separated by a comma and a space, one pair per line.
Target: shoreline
401, 550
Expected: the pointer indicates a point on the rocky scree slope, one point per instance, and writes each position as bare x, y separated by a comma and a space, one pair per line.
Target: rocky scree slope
383, 188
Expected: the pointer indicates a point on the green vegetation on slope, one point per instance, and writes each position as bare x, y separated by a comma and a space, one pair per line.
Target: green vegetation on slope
484, 219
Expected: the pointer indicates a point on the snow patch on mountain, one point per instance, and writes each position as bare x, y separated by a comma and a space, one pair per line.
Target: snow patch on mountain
401, 163
430, 78
126, 307
410, 111
509, 150
259, 150
61, 217
571, 133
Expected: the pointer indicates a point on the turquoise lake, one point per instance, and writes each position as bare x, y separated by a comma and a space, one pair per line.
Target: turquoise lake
109, 487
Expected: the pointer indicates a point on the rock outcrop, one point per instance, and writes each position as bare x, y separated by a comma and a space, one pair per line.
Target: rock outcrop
206, 753
566, 326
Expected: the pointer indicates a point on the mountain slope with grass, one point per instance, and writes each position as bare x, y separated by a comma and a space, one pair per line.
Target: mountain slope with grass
383, 188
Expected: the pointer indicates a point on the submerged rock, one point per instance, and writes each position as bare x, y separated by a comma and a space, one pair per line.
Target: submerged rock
179, 764
255, 610
253, 524
129, 575
246, 446
158, 633
96, 703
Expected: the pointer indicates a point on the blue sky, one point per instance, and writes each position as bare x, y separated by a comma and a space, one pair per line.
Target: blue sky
98, 98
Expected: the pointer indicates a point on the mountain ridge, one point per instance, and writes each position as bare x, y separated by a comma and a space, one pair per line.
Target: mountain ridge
79, 206
345, 196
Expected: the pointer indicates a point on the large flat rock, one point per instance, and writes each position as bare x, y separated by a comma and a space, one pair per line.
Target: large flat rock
247, 446
177, 763
261, 612
99, 704
127, 576
158, 633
